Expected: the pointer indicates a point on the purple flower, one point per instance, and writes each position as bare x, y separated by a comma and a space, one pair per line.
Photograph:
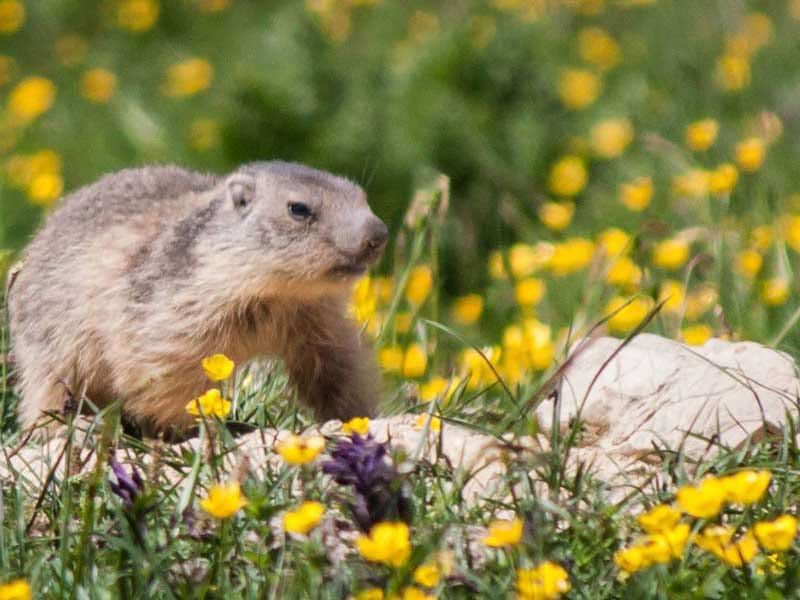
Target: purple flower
364, 464
127, 487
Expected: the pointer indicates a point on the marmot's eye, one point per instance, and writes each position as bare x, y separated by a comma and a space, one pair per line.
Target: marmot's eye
299, 211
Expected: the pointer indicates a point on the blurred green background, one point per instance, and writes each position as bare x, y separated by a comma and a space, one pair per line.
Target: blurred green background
492, 94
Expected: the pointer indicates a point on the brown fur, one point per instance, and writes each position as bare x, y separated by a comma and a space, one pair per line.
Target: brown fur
134, 279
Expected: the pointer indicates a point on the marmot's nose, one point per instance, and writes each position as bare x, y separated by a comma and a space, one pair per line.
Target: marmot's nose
375, 235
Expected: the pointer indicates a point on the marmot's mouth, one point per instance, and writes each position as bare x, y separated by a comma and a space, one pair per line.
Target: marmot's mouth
349, 269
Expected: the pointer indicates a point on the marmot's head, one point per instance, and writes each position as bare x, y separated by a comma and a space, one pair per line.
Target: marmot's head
297, 226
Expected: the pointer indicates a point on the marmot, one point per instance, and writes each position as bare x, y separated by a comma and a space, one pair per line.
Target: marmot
134, 279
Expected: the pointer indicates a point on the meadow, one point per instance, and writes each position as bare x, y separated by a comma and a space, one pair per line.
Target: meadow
547, 168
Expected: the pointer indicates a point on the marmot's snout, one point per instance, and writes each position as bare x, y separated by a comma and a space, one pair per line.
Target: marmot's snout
375, 235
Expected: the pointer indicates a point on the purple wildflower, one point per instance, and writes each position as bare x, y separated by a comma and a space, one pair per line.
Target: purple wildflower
364, 464
127, 487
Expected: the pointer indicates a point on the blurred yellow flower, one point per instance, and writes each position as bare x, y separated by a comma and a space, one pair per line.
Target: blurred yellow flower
359, 425
631, 559
624, 273
16, 589
412, 593
733, 72
12, 15
420, 283
297, 450
188, 78
415, 361
497, 268
384, 288
402, 321
137, 15
203, 134
431, 422
303, 518
391, 359
637, 194
31, 97
211, 404
670, 254
363, 301
697, 335
388, 543
740, 552
700, 301
775, 291
703, 500
757, 27
525, 259
723, 179
701, 135
467, 309
713, 537
746, 487
611, 137
71, 49
45, 188
748, 263
777, 535
556, 215
672, 295
568, 176
437, 387
370, 594
628, 316
762, 237
98, 85
218, 367
547, 581
473, 367
529, 291
504, 533
613, 241
428, 574
659, 519
578, 88
224, 500
597, 47
693, 184
750, 154
571, 256
212, 6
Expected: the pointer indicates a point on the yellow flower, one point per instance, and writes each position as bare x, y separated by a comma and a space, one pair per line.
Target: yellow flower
224, 500
777, 535
637, 194
218, 367
700, 301
609, 138
697, 335
547, 581
359, 425
17, 589
204, 134
304, 518
746, 487
363, 302
188, 78
571, 256
137, 15
387, 543
740, 552
597, 47
627, 318
661, 548
693, 183
412, 593
529, 291
672, 295
525, 259
761, 237
723, 179
420, 283
211, 404
504, 533
98, 85
31, 97
775, 291
45, 188
748, 263
391, 359
624, 273
578, 88
613, 241
750, 153
428, 575
714, 537
415, 361
670, 254
556, 215
659, 519
297, 450
12, 15
733, 72
370, 594
701, 135
568, 176
421, 422
631, 559
790, 226
467, 309
437, 387
702, 501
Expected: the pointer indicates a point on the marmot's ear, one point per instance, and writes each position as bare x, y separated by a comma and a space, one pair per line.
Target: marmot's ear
240, 189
